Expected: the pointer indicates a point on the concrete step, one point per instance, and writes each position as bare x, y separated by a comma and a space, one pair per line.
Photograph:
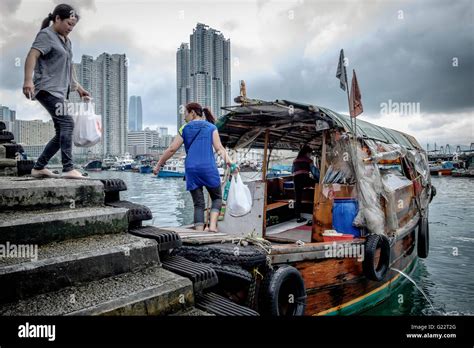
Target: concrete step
43, 227
152, 291
74, 262
27, 193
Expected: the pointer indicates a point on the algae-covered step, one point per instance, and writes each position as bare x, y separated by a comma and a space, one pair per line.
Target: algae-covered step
32, 270
152, 291
43, 227
24, 193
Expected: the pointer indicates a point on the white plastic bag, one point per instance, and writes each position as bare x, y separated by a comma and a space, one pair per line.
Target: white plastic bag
239, 201
87, 126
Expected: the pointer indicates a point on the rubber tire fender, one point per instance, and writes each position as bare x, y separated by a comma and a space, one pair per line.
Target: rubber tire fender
423, 243
269, 296
372, 243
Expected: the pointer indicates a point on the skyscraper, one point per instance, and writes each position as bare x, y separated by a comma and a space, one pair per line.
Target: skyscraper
163, 131
135, 117
106, 78
183, 83
7, 114
209, 77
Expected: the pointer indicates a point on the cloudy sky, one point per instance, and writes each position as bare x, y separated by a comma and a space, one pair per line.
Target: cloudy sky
419, 52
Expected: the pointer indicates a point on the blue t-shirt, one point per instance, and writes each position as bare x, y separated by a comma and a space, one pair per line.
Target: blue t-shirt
200, 165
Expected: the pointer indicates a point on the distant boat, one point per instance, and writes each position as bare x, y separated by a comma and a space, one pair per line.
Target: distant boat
123, 163
278, 171
93, 166
174, 169
108, 162
146, 169
443, 169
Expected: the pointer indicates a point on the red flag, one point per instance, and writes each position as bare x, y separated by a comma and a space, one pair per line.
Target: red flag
355, 99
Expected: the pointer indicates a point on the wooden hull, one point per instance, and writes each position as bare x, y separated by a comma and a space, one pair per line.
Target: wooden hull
339, 286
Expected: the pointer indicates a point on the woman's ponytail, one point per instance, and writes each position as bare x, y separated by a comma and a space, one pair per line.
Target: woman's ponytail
209, 116
46, 21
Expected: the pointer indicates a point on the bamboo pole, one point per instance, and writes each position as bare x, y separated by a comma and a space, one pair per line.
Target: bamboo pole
317, 229
264, 178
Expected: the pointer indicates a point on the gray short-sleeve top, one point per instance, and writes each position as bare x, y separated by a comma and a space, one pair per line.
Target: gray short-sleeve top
53, 70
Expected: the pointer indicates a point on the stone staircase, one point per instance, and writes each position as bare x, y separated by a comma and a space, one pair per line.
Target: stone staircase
65, 250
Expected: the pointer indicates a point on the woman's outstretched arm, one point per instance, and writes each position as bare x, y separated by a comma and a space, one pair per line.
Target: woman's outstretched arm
169, 152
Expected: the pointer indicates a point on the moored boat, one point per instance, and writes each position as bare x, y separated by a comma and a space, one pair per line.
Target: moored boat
173, 169
93, 166
369, 214
124, 162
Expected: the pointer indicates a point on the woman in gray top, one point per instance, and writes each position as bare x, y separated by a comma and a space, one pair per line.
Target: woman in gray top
51, 58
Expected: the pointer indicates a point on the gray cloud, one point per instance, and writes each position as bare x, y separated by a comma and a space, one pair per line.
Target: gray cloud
78, 5
9, 6
407, 60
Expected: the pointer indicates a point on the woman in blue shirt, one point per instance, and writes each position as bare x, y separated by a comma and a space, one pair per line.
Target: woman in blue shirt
199, 136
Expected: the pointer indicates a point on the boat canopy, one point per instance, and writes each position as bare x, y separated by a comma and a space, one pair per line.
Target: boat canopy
293, 124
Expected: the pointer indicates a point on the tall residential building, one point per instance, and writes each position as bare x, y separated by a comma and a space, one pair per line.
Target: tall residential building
163, 131
6, 114
34, 132
106, 78
139, 142
135, 118
183, 81
209, 77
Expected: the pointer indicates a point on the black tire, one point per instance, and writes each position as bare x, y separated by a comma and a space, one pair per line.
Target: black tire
5, 136
24, 167
433, 193
12, 149
372, 243
136, 212
225, 254
232, 277
282, 293
112, 188
2, 126
423, 244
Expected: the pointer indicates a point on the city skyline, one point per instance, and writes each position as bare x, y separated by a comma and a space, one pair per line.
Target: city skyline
283, 50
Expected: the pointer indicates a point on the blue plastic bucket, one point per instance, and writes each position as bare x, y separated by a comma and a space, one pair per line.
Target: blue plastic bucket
344, 212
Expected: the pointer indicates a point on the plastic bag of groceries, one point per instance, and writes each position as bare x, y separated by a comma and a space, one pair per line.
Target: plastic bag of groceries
239, 201
87, 126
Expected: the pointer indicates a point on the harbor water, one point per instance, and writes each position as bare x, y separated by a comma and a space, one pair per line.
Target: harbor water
445, 276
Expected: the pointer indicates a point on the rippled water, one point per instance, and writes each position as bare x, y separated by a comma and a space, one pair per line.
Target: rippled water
445, 277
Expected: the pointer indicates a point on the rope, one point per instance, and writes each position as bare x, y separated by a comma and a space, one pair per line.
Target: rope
253, 239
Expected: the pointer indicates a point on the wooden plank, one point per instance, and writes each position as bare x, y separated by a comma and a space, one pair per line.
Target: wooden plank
276, 205
329, 272
295, 248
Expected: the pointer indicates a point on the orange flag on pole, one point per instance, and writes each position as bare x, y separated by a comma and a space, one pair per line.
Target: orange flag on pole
355, 99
